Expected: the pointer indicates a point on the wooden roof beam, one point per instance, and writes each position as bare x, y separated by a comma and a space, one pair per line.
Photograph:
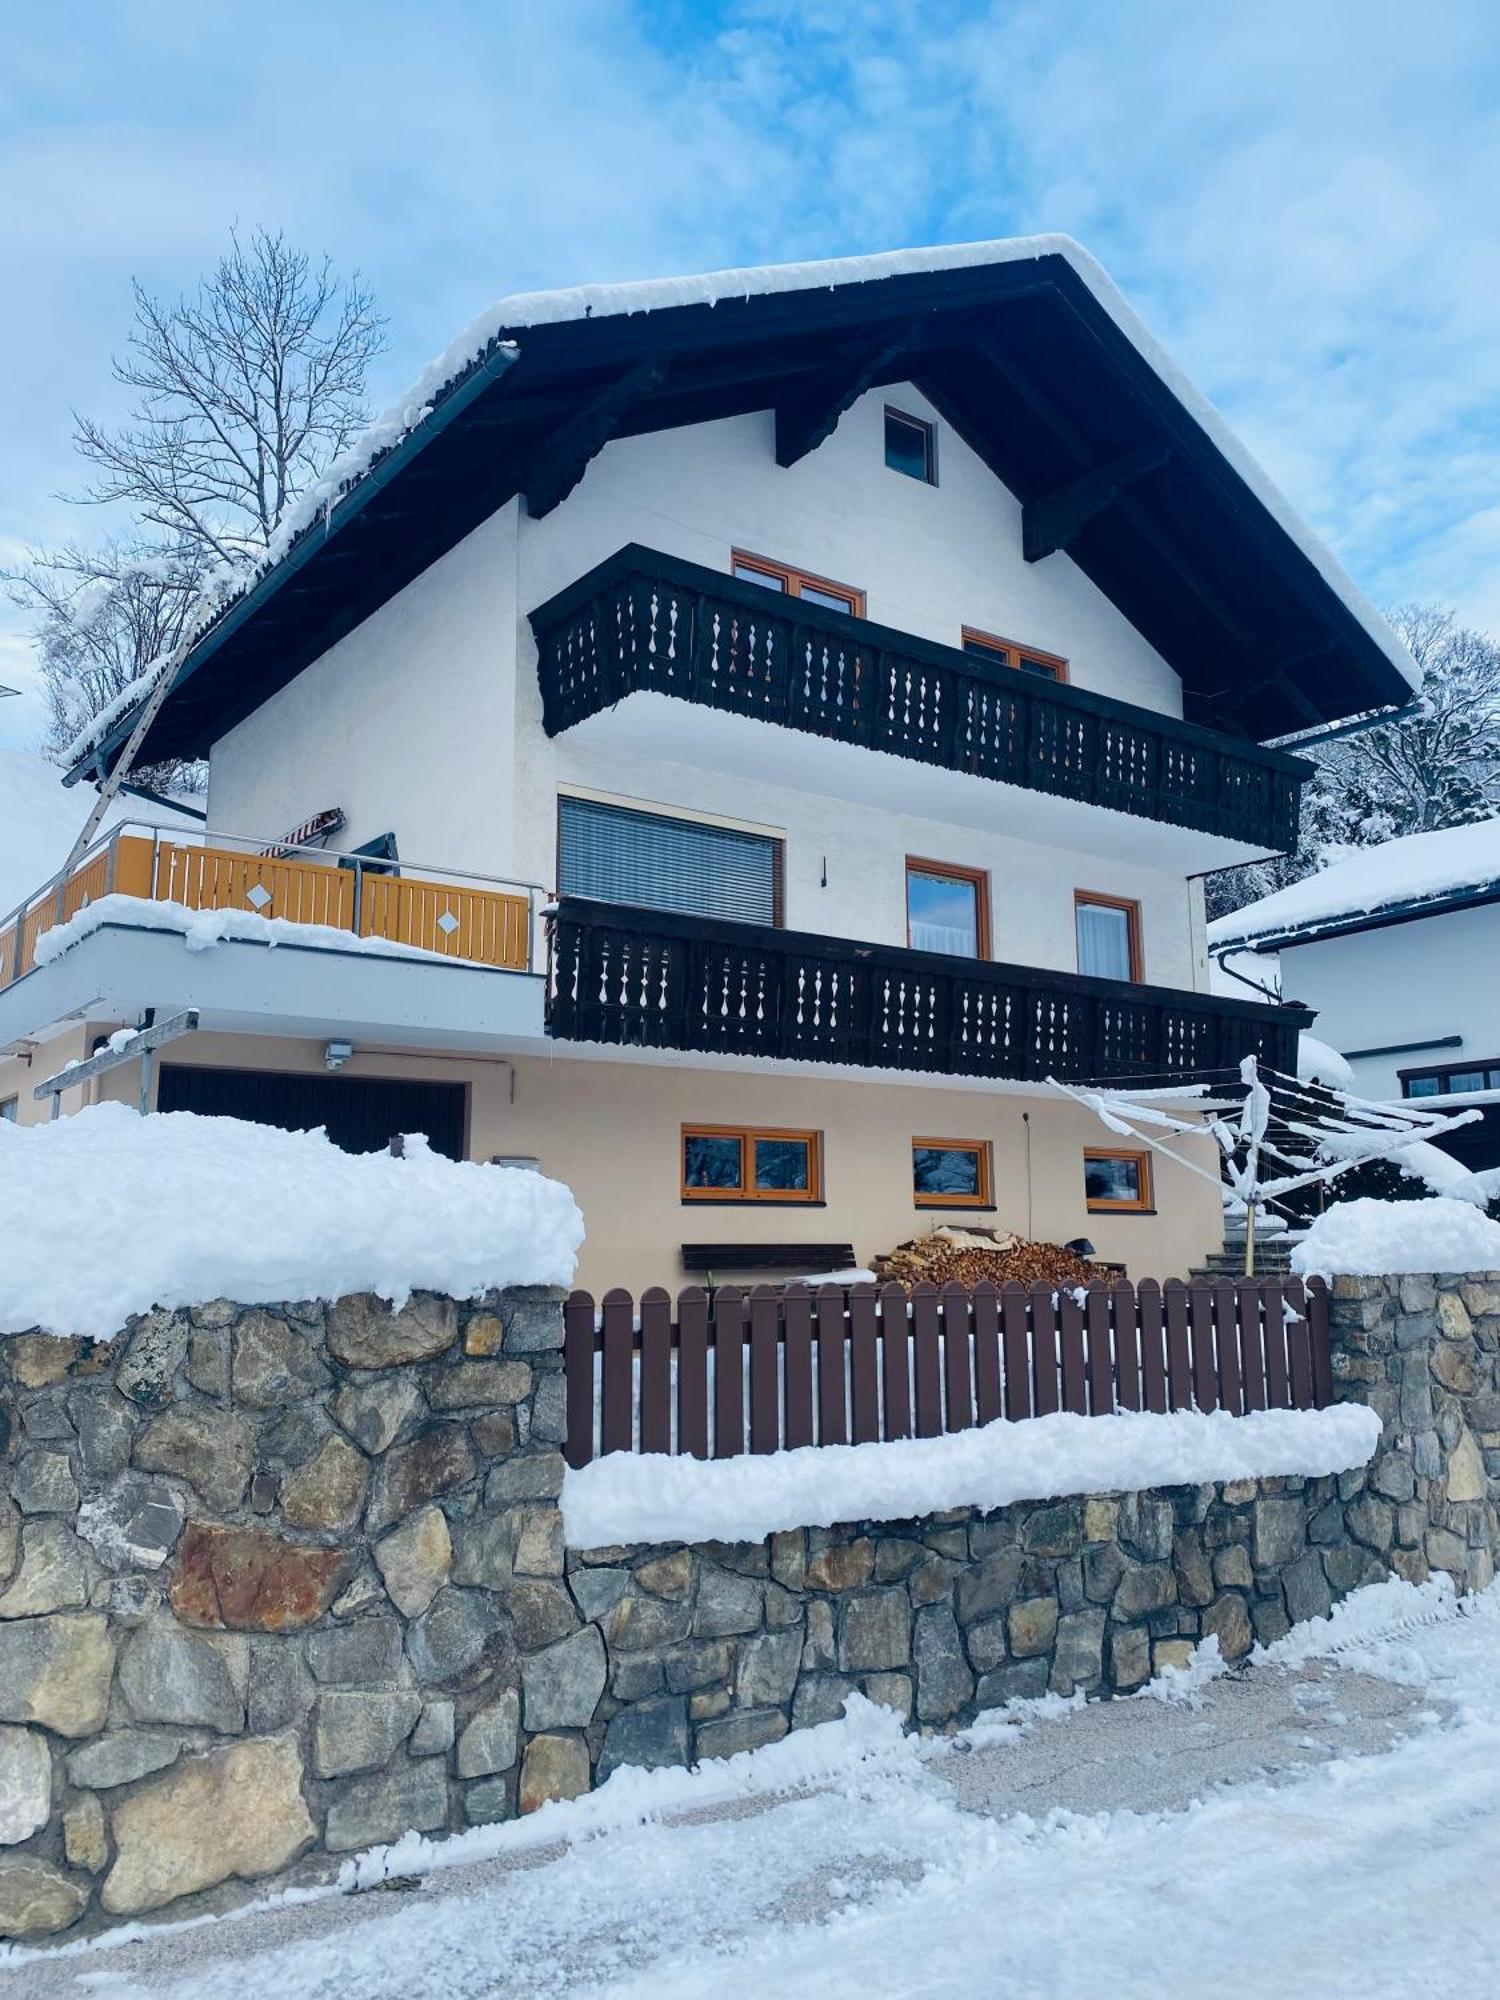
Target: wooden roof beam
810, 417
1043, 407
567, 454
1057, 520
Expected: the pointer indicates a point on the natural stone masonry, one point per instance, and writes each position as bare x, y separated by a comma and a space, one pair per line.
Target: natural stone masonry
279, 1583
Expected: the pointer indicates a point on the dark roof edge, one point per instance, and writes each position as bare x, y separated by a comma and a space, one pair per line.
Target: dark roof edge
1410, 910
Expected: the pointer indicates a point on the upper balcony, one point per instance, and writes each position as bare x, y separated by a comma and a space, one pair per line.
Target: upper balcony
646, 624
364, 947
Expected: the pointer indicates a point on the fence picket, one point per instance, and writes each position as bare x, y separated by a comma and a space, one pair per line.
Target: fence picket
765, 1369
957, 1385
578, 1365
926, 1366
692, 1372
797, 1312
1252, 1344
864, 1376
1101, 1371
1043, 1304
1124, 1313
1278, 1386
1299, 1349
617, 1390
1152, 1337
895, 1360
832, 1427
1017, 1345
986, 1353
729, 1372
656, 1370
1201, 1340
1317, 1333
1075, 1391
1179, 1349
1227, 1348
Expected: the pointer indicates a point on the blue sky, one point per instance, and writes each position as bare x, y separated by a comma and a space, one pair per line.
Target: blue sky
1300, 199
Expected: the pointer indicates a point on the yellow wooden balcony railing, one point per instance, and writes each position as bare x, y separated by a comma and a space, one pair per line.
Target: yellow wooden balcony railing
479, 922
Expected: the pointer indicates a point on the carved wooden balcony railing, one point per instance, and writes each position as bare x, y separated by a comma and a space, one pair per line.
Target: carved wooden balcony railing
648, 622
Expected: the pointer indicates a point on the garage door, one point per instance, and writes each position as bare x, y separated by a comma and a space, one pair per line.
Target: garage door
360, 1113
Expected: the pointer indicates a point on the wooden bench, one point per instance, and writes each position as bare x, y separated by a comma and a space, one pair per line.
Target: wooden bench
767, 1256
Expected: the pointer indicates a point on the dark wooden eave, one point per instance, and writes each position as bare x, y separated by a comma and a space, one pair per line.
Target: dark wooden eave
1020, 357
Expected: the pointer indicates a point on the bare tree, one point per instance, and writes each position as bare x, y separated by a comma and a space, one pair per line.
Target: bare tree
1437, 767
245, 393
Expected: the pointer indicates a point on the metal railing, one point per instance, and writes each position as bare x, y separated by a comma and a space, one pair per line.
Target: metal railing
643, 621
448, 912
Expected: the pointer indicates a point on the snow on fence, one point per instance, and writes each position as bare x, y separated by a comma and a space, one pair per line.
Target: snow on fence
773, 1369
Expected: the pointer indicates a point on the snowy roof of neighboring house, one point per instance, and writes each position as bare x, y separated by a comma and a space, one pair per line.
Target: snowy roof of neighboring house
39, 822
1040, 363
1421, 875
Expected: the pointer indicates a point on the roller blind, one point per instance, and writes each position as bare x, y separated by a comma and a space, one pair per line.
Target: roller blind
616, 855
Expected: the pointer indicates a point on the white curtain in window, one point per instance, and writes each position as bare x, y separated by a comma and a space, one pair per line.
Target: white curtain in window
1103, 942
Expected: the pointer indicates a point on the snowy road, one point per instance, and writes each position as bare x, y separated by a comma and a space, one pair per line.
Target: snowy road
1329, 1827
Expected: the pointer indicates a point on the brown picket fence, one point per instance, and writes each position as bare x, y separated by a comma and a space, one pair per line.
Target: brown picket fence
715, 1375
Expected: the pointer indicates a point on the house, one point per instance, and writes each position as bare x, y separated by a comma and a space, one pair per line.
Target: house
1397, 949
731, 741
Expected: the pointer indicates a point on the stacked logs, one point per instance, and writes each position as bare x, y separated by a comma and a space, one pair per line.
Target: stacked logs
968, 1257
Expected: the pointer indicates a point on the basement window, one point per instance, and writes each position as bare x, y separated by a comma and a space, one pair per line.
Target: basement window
911, 446
950, 1173
1117, 1181
743, 1163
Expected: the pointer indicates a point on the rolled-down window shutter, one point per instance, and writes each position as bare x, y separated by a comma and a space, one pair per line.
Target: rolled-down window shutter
652, 862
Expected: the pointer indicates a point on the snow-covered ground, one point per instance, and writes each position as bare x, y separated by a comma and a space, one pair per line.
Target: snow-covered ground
1326, 1824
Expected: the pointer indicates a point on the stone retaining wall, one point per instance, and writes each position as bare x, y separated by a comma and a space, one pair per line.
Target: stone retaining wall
280, 1584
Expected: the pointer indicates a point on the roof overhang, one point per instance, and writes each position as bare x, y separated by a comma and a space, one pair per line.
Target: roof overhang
1027, 349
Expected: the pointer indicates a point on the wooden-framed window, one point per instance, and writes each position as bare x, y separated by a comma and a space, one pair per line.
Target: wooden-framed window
911, 446
1109, 935
1450, 1077
1117, 1180
797, 583
1007, 653
10, 1109
947, 908
751, 1163
951, 1173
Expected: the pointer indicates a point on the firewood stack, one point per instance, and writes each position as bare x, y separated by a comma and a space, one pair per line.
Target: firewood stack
968, 1256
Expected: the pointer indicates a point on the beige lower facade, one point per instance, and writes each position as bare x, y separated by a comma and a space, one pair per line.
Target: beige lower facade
612, 1130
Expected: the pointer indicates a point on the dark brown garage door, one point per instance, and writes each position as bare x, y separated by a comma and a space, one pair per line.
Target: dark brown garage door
360, 1113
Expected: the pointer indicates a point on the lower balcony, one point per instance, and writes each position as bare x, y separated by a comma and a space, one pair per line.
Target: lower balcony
649, 979
364, 948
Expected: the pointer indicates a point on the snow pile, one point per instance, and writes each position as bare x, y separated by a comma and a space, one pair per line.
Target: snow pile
1318, 1063
1420, 1161
1364, 880
107, 1213
630, 1497
1374, 1238
201, 930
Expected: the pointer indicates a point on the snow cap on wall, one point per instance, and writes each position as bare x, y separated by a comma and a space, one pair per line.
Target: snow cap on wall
107, 1213
1380, 1238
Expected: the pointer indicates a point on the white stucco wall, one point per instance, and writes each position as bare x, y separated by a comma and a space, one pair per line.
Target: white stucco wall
1409, 982
427, 719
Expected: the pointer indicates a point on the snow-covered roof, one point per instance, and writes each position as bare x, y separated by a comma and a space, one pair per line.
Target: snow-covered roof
1396, 878
40, 820
497, 337
166, 1199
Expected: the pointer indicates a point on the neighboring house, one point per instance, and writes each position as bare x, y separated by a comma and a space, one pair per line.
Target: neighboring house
1397, 948
791, 711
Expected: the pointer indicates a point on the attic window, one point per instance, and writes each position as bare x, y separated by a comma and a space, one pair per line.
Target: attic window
910, 446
